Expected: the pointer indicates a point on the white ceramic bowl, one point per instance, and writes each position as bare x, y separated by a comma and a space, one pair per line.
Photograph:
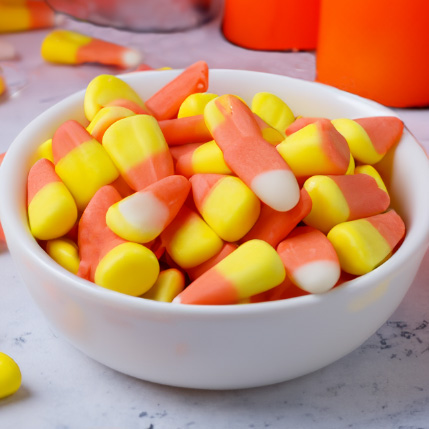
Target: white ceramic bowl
220, 347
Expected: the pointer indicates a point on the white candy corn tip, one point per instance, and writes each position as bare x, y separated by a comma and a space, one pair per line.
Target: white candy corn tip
177, 299
132, 58
317, 276
143, 211
277, 188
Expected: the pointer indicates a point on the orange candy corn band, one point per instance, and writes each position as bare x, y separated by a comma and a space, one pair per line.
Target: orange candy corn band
166, 102
197, 271
95, 238
215, 290
69, 135
334, 146
30, 15
104, 52
42, 173
149, 171
189, 129
391, 230
273, 226
384, 132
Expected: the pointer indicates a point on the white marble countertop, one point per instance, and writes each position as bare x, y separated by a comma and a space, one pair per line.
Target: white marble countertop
382, 384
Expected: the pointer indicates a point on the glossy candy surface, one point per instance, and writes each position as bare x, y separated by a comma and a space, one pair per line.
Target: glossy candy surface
10, 376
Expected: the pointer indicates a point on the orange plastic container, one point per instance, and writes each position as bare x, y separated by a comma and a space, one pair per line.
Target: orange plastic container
376, 49
272, 24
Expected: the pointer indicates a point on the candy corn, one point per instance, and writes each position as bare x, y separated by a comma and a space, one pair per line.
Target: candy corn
194, 104
189, 240
251, 157
44, 151
81, 162
363, 244
142, 216
169, 284
107, 259
52, 210
166, 102
197, 271
29, 15
273, 110
273, 226
65, 252
228, 206
70, 47
139, 150
10, 376
341, 198
310, 260
371, 171
370, 138
107, 90
197, 158
253, 268
179, 131
316, 149
270, 134
106, 117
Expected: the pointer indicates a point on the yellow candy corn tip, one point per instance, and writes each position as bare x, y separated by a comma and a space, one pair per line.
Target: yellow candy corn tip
253, 268
52, 212
231, 209
194, 243
273, 110
169, 284
104, 89
108, 116
194, 104
10, 376
133, 140
358, 140
61, 46
208, 158
329, 206
359, 246
44, 151
65, 253
85, 169
129, 268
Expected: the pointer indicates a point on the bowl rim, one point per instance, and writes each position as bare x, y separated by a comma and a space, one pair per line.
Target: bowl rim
28, 244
